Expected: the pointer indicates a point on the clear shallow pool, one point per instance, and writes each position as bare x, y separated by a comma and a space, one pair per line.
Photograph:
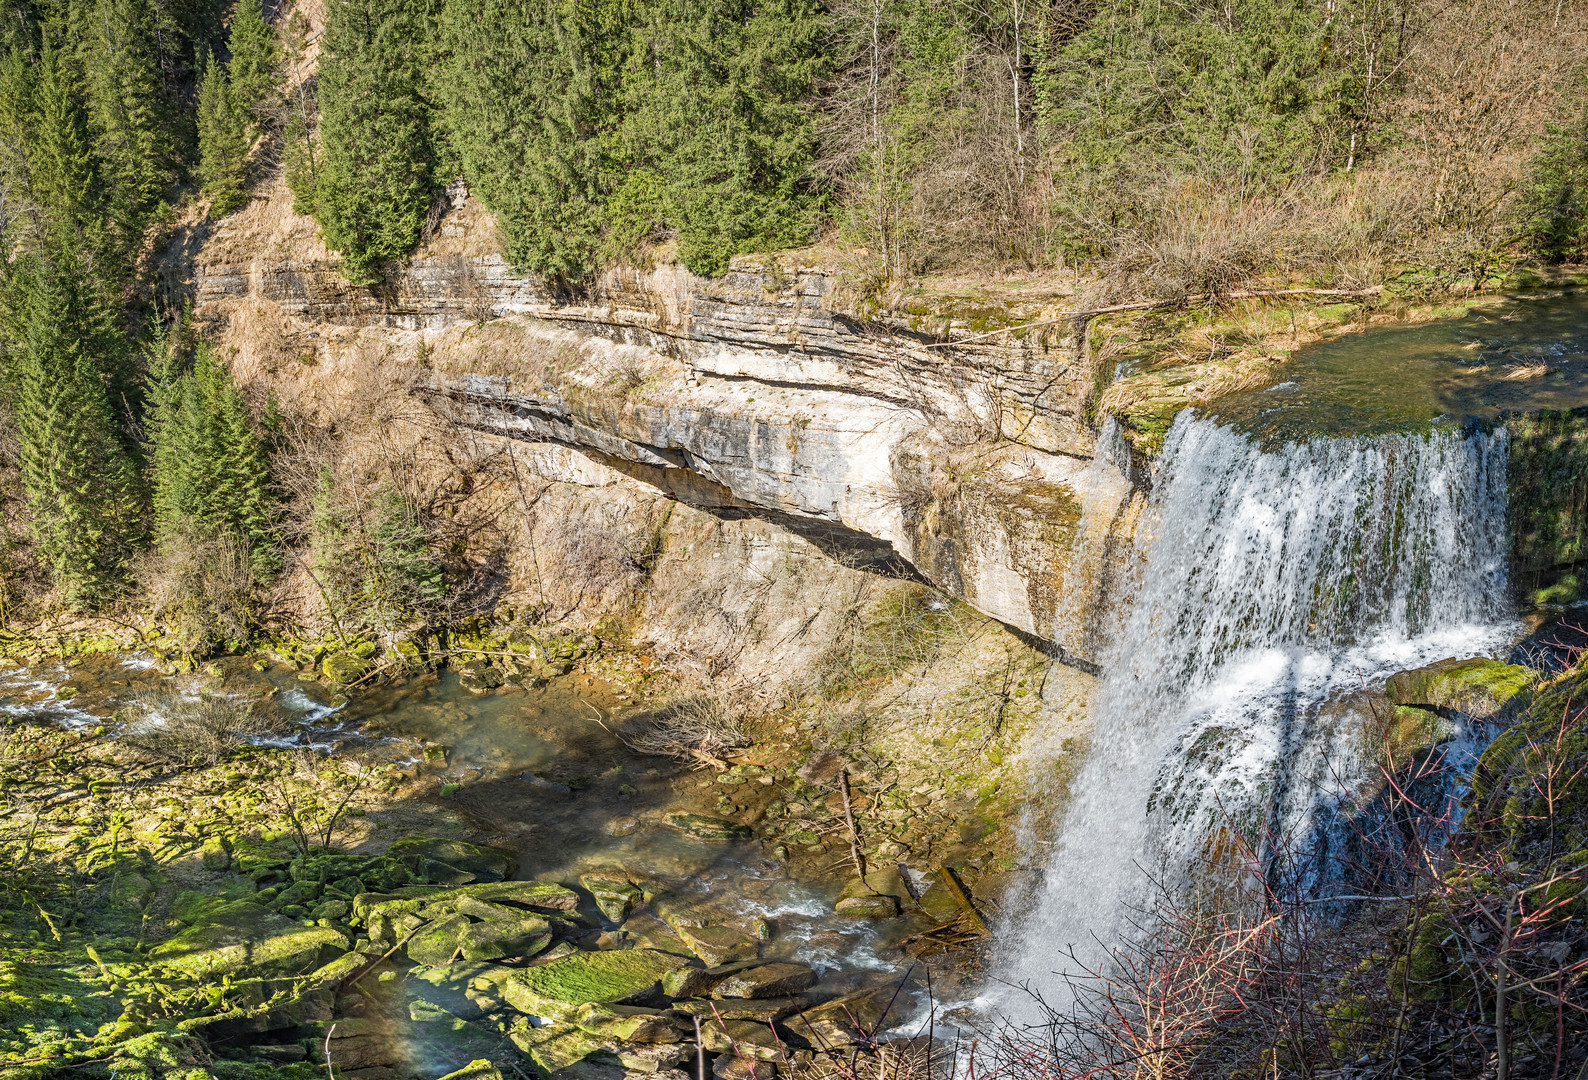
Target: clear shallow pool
1515, 354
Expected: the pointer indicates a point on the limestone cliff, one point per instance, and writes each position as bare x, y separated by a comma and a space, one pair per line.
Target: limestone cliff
927, 440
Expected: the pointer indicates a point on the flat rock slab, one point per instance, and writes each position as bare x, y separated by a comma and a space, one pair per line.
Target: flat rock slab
245, 937
766, 981
557, 990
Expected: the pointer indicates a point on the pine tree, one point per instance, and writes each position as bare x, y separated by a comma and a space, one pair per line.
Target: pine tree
255, 66
223, 141
80, 481
373, 188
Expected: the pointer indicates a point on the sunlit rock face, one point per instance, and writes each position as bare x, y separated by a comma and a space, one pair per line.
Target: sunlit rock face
969, 467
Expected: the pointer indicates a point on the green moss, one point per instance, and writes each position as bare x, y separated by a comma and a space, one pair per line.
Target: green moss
1476, 687
245, 937
556, 990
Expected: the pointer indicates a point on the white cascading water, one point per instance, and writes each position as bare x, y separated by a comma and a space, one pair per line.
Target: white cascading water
1271, 581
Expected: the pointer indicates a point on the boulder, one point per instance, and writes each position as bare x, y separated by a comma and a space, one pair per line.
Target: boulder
627, 1023
766, 981
242, 937
648, 1057
438, 942
717, 945
706, 827
616, 897
880, 895
689, 982
742, 1038
847, 1020
523, 936
1478, 687
557, 990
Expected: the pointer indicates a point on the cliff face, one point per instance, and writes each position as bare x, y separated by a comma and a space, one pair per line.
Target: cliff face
764, 392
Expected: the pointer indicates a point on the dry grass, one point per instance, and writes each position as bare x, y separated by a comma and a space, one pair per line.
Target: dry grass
700, 726
197, 728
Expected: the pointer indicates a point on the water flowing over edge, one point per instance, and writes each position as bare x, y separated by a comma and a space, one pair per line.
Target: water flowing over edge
1267, 585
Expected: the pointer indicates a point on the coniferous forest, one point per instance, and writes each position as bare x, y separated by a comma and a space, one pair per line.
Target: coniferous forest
1152, 150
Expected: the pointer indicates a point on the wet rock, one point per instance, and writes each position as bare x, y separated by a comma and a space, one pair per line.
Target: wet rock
627, 1023
689, 982
706, 827
1479, 687
741, 1038
484, 863
616, 897
467, 991
554, 1047
457, 1040
848, 1020
236, 1023
766, 981
478, 678
623, 825
556, 990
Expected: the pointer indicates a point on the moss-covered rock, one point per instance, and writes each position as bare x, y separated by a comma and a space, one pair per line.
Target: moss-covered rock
344, 667
243, 937
706, 827
778, 979
475, 1070
1478, 687
497, 938
616, 897
558, 989
554, 1047
484, 863
630, 1023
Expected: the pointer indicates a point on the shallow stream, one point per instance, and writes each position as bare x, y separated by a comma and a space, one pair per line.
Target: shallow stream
535, 773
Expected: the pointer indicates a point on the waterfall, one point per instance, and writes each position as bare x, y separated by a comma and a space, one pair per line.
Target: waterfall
1269, 582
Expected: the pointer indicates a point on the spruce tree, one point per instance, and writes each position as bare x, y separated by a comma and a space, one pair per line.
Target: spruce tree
210, 471
64, 169
373, 188
80, 482
223, 141
255, 66
134, 120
